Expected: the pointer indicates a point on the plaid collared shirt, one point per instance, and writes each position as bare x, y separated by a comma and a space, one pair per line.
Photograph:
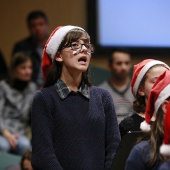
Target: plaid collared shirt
63, 90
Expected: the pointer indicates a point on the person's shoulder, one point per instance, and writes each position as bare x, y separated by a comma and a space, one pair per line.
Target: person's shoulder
103, 84
127, 123
46, 92
142, 146
101, 94
32, 86
165, 166
4, 85
2, 82
99, 90
24, 41
25, 44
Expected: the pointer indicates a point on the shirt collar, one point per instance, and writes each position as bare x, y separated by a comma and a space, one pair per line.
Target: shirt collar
63, 90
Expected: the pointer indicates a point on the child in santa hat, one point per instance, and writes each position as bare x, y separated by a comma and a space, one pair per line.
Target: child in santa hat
144, 76
151, 153
74, 124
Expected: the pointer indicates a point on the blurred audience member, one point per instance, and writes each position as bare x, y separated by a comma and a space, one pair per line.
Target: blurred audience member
37, 23
119, 83
25, 162
3, 67
16, 95
145, 74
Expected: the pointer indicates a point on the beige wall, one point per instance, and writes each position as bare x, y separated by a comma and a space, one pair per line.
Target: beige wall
13, 15
60, 12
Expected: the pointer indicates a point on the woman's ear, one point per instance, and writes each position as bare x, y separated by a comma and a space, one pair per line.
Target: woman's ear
164, 105
58, 57
141, 91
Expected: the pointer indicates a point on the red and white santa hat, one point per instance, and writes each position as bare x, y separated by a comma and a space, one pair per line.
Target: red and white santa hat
140, 70
160, 92
52, 45
165, 147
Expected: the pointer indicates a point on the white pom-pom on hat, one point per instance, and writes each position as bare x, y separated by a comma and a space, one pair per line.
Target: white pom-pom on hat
145, 127
165, 149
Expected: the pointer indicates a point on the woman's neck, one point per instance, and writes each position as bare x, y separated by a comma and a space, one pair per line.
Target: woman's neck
72, 80
143, 115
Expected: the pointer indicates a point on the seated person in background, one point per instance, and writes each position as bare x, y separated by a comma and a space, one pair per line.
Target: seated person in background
3, 67
144, 76
16, 94
25, 162
33, 45
119, 83
151, 152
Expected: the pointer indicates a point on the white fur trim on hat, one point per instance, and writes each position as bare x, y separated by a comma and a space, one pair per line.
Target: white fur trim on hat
164, 94
143, 72
57, 38
145, 127
165, 150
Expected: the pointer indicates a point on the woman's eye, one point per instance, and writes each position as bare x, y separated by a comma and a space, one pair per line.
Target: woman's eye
75, 45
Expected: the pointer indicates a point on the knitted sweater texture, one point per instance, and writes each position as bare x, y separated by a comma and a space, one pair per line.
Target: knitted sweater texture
75, 133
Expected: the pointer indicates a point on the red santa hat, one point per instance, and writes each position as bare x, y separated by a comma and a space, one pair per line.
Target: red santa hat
52, 45
165, 147
140, 70
160, 92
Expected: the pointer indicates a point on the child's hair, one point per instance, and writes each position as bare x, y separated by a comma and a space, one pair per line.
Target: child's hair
17, 59
26, 156
139, 104
56, 68
156, 138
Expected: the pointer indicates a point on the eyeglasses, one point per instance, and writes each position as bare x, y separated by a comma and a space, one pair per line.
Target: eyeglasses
78, 46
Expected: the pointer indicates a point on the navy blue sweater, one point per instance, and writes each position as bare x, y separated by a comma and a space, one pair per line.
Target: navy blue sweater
75, 133
139, 157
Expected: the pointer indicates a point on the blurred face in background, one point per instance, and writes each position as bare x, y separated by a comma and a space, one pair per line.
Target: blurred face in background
38, 28
151, 77
120, 66
23, 71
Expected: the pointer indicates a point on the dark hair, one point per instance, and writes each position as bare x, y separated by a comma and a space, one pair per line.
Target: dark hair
36, 14
139, 104
27, 156
17, 59
121, 50
56, 68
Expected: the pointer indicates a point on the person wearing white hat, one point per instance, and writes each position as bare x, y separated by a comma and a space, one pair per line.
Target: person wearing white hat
152, 151
144, 76
74, 124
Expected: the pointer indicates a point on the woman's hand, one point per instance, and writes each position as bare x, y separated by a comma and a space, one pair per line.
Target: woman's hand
12, 138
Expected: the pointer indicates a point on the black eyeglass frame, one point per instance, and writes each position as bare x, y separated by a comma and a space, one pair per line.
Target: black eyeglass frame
89, 46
